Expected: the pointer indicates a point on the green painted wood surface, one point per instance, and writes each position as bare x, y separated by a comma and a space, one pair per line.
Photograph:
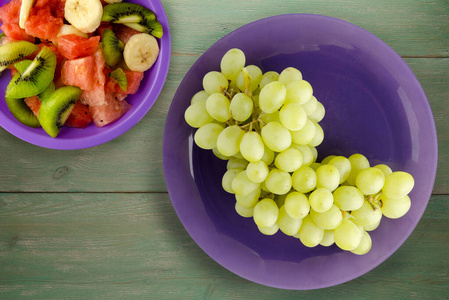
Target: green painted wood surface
98, 223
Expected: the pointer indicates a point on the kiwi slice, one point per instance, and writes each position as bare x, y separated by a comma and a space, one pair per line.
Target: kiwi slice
112, 48
47, 92
133, 15
119, 75
22, 65
15, 51
35, 78
56, 108
22, 112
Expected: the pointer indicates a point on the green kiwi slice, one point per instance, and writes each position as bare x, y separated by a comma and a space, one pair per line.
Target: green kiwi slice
124, 12
35, 78
119, 75
112, 48
56, 108
22, 65
47, 92
22, 112
133, 15
15, 51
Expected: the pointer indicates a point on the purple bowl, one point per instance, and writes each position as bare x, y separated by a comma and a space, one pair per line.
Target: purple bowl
374, 106
142, 101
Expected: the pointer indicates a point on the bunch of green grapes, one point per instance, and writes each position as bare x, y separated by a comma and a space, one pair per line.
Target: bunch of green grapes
266, 125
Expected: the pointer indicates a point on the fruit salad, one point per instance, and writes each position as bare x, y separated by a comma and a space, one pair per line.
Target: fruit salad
266, 125
74, 62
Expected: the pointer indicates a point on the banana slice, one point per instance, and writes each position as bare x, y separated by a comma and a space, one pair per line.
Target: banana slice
70, 29
84, 15
25, 9
141, 52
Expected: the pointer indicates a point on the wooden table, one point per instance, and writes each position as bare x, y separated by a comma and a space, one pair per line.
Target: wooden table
98, 223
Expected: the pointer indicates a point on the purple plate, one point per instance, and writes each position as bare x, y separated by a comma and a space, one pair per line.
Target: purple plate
374, 106
142, 101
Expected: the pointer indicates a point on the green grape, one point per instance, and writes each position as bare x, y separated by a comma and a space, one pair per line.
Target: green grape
196, 114
343, 165
238, 155
219, 155
368, 215
236, 163
257, 171
268, 156
252, 147
256, 75
310, 234
321, 200
241, 107
265, 213
246, 212
394, 208
228, 177
241, 185
307, 154
372, 227
276, 136
206, 136
289, 75
315, 166
269, 230
288, 160
327, 177
249, 200
304, 179
358, 163
348, 198
201, 95
348, 235
273, 117
232, 63
328, 220
305, 135
398, 184
278, 182
264, 188
327, 159
319, 136
228, 142
268, 77
272, 97
319, 113
384, 168
370, 181
299, 92
214, 82
292, 116
296, 205
314, 153
287, 224
217, 105
328, 238
310, 106
364, 246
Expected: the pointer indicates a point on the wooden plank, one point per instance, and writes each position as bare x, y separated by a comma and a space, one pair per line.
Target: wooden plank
413, 28
133, 161
109, 246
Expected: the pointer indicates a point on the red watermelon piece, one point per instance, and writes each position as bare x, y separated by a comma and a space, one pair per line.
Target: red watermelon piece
80, 116
110, 111
9, 17
73, 46
123, 32
33, 103
43, 24
79, 72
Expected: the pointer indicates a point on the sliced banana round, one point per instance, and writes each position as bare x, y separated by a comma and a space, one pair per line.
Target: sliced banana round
141, 52
84, 15
70, 29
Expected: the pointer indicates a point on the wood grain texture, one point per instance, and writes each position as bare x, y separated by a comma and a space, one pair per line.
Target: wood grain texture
110, 246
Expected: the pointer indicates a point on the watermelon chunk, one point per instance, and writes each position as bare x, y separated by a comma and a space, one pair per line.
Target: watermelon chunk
79, 117
73, 46
79, 72
134, 78
110, 111
41, 23
9, 17
33, 103
123, 32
